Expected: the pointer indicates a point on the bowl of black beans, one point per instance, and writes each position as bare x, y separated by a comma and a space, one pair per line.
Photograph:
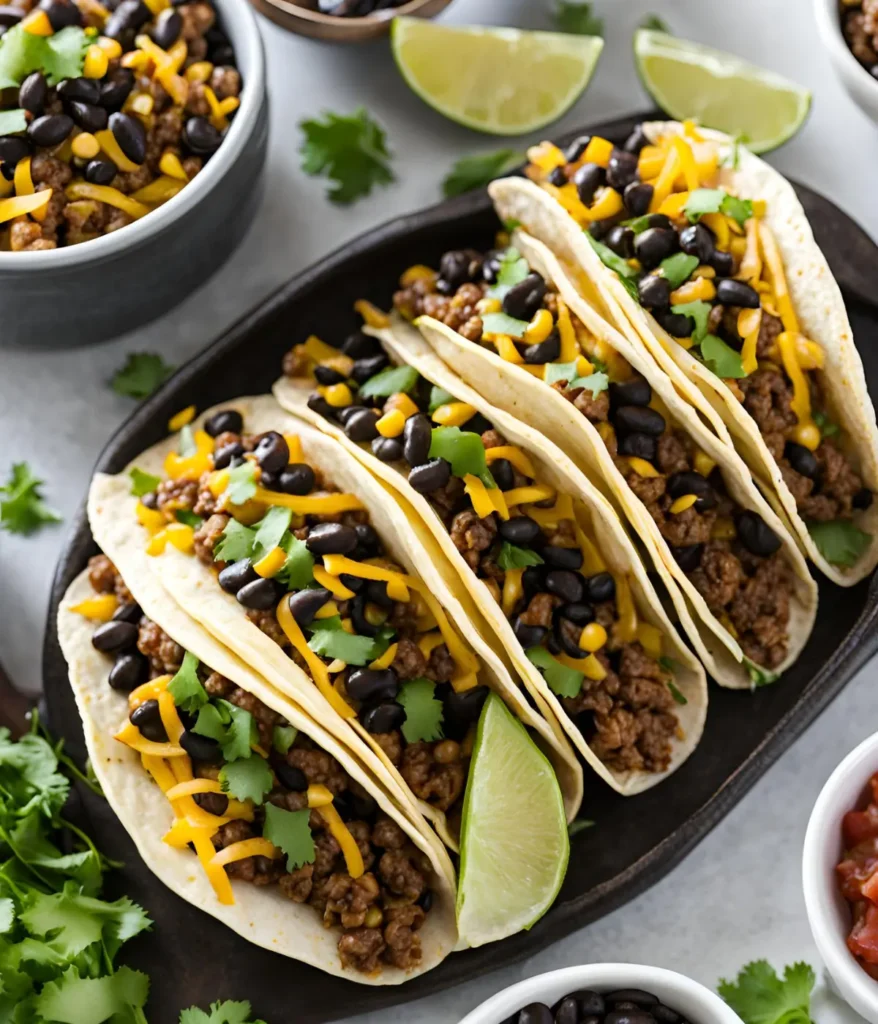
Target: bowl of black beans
605, 994
132, 144
344, 21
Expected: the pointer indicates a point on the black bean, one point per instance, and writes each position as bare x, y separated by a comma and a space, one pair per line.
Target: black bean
430, 476
272, 452
621, 240
465, 707
636, 140
567, 585
665, 1015
755, 534
384, 717
637, 197
114, 636
588, 179
224, 421
688, 556
697, 240
528, 636
368, 366
458, 266
115, 87
522, 530
629, 1017
565, 643
544, 351
567, 1011
223, 457
331, 539
362, 625
678, 325
535, 1013
361, 346
636, 391
525, 298
50, 129
100, 172
640, 446
130, 134
654, 292
361, 426
636, 996
168, 26
561, 558
425, 900
223, 56
503, 474
388, 449
368, 541
296, 478
87, 116
129, 16
600, 587
417, 437
532, 580
354, 583
317, 403
260, 595
200, 136
128, 671
737, 293
326, 376
598, 228
289, 776
491, 266
148, 719
654, 245
862, 499
237, 575
61, 13
368, 684
621, 169
639, 419
305, 604
558, 177
576, 148
690, 482
661, 220
128, 613
801, 459
10, 16
12, 149
32, 92
723, 263
201, 748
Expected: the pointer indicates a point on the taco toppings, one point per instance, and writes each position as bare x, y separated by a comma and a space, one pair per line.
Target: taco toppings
666, 219
257, 800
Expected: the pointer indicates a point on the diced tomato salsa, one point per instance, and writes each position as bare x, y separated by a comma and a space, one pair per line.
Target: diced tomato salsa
858, 879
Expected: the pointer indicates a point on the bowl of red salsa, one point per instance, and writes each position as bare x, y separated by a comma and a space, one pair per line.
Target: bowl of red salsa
840, 877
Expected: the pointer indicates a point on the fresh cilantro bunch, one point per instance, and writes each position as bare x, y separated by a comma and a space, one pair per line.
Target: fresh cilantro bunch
759, 996
227, 1012
22, 509
142, 373
578, 18
349, 150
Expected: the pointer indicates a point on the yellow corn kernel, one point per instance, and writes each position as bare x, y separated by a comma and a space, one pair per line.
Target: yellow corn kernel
181, 536
151, 518
181, 419
271, 564
111, 47
682, 503
96, 62
137, 60
375, 615
37, 23
808, 435
723, 529
704, 271
85, 146
453, 414
338, 395
100, 608
371, 314
488, 305
140, 103
650, 639
593, 637
692, 291
704, 464
400, 402
391, 423
374, 917
200, 71
598, 152
641, 467
539, 328
417, 272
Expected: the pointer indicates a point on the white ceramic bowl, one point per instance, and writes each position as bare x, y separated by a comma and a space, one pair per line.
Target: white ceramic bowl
828, 912
860, 85
695, 1002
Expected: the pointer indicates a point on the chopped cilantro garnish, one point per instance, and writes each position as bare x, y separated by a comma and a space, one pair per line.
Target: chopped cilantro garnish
512, 557
22, 509
740, 210
579, 825
594, 382
502, 323
143, 483
511, 224
677, 268
270, 530
655, 24
185, 687
759, 996
188, 518
559, 371
564, 681
232, 727
826, 426
350, 150
242, 483
638, 224
464, 450
59, 56
249, 778
72, 997
471, 172
699, 311
839, 541
226, 1012
423, 711
331, 641
760, 676
677, 693
611, 259
513, 270
142, 373
236, 542
717, 200
724, 361
578, 18
12, 122
186, 446
392, 381
298, 570
290, 832
283, 737
438, 396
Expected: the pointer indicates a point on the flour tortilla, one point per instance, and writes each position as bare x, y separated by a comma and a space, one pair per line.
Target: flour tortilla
405, 345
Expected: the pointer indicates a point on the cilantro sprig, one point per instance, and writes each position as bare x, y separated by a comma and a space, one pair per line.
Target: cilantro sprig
839, 541
22, 508
464, 450
423, 711
472, 172
290, 832
760, 996
60, 55
513, 269
226, 1012
578, 18
350, 150
142, 373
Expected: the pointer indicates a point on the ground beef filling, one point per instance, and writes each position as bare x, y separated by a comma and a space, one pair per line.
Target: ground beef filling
457, 310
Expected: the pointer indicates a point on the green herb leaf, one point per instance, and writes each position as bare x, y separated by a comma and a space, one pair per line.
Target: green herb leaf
298, 570
60, 55
733, 157
560, 371
699, 311
394, 380
350, 150
512, 557
73, 999
185, 687
611, 259
511, 224
760, 676
564, 681
226, 1012
579, 825
655, 24
464, 450
826, 426
236, 542
502, 323
188, 518
12, 122
142, 373
22, 509
840, 542
740, 210
677, 693
759, 996
724, 361
186, 446
283, 737
242, 483
331, 641
677, 268
143, 483
232, 727
471, 172
578, 18
423, 712
270, 530
247, 779
439, 396
290, 832
702, 201
513, 269
594, 382
638, 224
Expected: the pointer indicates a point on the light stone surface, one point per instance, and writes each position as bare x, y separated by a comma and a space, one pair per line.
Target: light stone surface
738, 896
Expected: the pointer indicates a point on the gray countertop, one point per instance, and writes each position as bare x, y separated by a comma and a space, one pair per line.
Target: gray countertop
738, 896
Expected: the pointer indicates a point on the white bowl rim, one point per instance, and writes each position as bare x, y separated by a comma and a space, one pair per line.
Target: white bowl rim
604, 976
857, 987
295, 10
826, 15
247, 43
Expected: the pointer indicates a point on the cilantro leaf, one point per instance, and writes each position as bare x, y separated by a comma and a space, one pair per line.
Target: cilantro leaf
187, 517
560, 371
186, 446
226, 1012
839, 541
438, 396
702, 201
143, 483
350, 150
677, 268
22, 509
759, 996
512, 557
423, 712
579, 825
270, 530
578, 17
471, 172
566, 682
392, 381
677, 693
185, 688
73, 999
594, 382
511, 224
502, 323
760, 676
464, 450
290, 832
724, 361
142, 373
331, 641
247, 779
232, 727
283, 737
512, 270
697, 311
740, 210
655, 24
12, 122
236, 542
826, 426
242, 483
298, 570
611, 259
60, 55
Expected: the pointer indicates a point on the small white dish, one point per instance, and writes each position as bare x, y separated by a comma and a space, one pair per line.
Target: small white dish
859, 84
695, 1002
828, 912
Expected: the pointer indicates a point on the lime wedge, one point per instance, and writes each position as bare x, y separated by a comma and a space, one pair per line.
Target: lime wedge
719, 90
514, 843
497, 80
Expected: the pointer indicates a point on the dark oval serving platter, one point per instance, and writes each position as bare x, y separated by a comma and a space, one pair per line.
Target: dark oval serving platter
193, 959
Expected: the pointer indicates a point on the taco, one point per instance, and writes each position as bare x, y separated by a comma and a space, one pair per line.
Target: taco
703, 254
327, 594
537, 546
301, 849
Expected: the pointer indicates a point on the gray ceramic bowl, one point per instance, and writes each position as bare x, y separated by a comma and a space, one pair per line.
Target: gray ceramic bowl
98, 289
